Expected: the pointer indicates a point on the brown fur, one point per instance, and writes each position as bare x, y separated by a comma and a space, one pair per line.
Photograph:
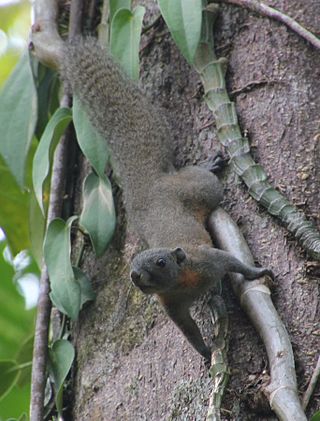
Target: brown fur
167, 208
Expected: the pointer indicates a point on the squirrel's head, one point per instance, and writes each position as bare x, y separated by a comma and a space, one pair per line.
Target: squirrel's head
157, 270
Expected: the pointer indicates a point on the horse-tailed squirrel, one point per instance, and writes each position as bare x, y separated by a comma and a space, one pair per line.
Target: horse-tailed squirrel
167, 207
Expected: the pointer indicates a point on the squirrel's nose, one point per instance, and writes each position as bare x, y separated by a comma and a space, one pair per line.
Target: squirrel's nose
135, 276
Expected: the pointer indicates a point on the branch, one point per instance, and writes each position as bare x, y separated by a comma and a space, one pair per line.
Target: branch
46, 45
219, 364
76, 15
255, 299
45, 41
40, 347
270, 12
311, 386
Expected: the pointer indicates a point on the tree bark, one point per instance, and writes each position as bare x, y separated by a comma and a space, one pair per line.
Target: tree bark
132, 363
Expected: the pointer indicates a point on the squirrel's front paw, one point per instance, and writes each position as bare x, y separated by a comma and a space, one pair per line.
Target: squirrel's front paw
214, 163
267, 272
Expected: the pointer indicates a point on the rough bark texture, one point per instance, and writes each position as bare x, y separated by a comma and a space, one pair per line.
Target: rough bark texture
132, 363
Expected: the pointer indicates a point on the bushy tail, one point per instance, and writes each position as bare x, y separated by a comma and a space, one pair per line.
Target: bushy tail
135, 131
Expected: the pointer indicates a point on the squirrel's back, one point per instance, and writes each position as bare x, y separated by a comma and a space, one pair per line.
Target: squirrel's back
166, 207
135, 130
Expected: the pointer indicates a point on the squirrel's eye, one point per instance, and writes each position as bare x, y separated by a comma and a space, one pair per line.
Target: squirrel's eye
161, 263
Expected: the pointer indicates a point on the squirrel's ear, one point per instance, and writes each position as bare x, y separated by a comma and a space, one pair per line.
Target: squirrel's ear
179, 254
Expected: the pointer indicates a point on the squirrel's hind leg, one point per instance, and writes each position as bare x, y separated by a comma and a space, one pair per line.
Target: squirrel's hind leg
197, 188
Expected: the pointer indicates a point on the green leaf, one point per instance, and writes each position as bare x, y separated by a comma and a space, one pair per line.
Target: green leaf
24, 360
92, 144
14, 210
316, 416
18, 114
65, 291
22, 417
115, 5
47, 84
42, 162
61, 356
36, 229
15, 18
98, 217
15, 403
16, 323
8, 61
8, 376
184, 19
87, 293
125, 39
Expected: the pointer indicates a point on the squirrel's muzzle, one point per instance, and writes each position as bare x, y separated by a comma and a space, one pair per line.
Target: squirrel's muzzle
141, 280
135, 277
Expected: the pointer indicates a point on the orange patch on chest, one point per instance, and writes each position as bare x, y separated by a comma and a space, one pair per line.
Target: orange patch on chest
189, 279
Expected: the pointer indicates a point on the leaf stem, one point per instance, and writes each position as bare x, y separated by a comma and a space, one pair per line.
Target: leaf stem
20, 367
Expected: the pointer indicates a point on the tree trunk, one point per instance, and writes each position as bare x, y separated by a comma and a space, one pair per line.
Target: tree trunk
132, 362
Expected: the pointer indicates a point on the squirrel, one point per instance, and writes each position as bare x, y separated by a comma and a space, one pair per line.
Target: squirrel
167, 207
